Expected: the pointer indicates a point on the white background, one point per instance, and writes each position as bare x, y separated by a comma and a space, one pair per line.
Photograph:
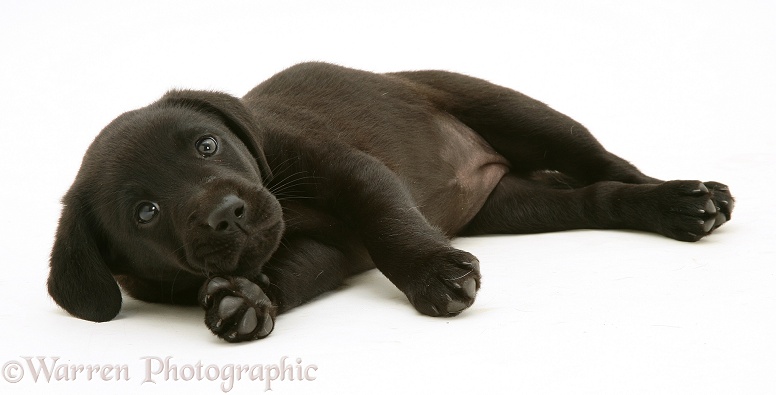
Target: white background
683, 89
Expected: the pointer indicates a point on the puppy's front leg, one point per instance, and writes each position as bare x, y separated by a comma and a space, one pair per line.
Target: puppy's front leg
361, 191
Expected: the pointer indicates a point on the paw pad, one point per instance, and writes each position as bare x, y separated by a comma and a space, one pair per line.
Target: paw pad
237, 309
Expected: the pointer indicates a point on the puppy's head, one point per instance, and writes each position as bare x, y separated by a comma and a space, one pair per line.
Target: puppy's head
166, 195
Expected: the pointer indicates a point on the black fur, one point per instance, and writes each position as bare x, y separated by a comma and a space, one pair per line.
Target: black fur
251, 207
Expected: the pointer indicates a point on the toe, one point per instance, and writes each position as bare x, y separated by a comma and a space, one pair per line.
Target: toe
250, 290
455, 306
708, 225
719, 220
700, 189
212, 286
248, 322
228, 306
267, 327
710, 207
470, 287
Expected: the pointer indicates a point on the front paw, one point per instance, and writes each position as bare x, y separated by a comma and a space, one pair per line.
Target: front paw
236, 309
445, 284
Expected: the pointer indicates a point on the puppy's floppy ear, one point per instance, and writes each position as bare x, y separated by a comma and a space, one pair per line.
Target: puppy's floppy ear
232, 112
80, 280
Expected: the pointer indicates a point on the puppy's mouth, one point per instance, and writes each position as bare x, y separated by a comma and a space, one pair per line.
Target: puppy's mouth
239, 253
219, 256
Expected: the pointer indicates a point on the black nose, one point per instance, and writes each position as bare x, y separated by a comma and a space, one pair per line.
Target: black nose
228, 215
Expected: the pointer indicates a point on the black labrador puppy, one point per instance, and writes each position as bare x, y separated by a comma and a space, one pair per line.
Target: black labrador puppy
252, 207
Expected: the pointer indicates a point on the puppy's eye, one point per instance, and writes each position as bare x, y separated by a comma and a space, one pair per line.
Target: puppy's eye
146, 212
207, 146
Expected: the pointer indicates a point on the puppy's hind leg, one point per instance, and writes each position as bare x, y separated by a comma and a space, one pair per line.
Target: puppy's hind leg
682, 210
528, 133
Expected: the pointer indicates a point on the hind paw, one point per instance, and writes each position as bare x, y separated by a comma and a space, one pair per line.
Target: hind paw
692, 210
723, 202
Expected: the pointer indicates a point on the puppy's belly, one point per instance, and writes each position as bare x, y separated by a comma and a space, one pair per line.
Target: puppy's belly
467, 173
